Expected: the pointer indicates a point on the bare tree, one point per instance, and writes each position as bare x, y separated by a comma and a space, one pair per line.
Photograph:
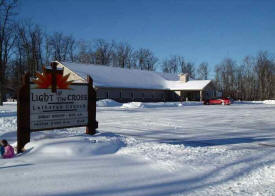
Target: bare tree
71, 46
29, 41
171, 65
145, 59
225, 77
252, 80
103, 52
177, 64
7, 8
189, 68
202, 71
85, 53
167, 67
248, 88
61, 47
47, 49
265, 75
123, 53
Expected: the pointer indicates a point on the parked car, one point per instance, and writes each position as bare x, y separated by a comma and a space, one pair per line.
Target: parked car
215, 101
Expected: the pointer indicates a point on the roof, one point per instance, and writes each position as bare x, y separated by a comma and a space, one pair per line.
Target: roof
105, 76
190, 85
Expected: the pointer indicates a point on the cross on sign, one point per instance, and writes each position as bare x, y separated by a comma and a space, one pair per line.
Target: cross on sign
54, 64
53, 71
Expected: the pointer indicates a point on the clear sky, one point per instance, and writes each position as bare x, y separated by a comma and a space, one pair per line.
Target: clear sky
199, 30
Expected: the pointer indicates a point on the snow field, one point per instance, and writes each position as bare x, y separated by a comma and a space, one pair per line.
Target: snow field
197, 160
149, 149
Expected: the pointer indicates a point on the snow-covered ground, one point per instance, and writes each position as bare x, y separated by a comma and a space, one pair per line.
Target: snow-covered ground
148, 149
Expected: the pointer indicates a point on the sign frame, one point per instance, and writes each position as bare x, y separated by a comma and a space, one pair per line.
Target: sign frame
23, 110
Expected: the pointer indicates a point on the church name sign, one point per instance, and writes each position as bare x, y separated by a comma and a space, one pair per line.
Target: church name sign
50, 101
65, 108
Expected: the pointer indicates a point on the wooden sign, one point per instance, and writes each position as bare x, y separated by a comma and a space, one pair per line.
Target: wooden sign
51, 101
65, 108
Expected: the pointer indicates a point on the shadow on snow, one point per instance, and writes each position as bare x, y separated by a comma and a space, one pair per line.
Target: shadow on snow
215, 142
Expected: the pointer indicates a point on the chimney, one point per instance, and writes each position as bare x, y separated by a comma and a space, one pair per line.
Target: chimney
184, 77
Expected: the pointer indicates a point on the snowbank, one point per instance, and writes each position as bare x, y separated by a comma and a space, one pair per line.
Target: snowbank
255, 102
107, 103
134, 105
10, 103
269, 102
192, 103
75, 146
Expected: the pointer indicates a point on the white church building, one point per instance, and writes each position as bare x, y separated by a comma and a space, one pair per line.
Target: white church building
125, 85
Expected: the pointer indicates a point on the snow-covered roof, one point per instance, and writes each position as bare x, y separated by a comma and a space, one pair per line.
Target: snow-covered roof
190, 85
105, 76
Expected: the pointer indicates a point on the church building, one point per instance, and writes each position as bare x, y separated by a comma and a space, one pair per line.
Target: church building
126, 85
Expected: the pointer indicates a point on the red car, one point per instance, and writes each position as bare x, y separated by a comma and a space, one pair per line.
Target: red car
214, 101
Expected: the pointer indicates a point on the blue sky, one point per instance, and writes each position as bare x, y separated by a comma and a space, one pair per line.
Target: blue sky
199, 30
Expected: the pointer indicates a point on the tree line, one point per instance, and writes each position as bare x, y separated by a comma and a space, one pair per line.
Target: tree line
25, 46
252, 79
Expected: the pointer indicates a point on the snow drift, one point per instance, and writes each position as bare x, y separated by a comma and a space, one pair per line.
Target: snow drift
74, 147
134, 105
107, 103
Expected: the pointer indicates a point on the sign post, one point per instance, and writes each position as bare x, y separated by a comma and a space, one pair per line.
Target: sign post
92, 123
23, 114
52, 102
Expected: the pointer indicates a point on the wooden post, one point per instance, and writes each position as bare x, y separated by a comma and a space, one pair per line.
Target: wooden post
23, 114
54, 67
1, 95
92, 123
201, 96
181, 96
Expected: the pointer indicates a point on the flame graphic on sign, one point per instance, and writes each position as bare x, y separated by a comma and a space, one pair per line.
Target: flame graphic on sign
44, 81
